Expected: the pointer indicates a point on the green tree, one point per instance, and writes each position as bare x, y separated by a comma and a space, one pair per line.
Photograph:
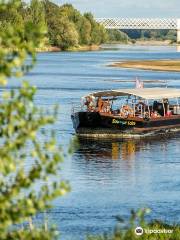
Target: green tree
117, 36
85, 32
24, 192
10, 15
98, 33
68, 34
62, 32
67, 10
37, 13
67, 27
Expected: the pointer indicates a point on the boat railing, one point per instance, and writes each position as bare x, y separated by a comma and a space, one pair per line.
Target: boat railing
76, 108
176, 109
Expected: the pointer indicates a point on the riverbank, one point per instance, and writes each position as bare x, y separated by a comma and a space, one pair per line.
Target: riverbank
154, 42
99, 47
157, 65
85, 48
140, 42
71, 49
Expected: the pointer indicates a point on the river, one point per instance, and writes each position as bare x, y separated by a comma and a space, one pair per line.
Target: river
107, 178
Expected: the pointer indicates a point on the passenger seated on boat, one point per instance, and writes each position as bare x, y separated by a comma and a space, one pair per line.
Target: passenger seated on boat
166, 105
126, 111
91, 106
140, 108
155, 114
90, 103
87, 102
100, 104
157, 106
106, 106
140, 105
168, 114
146, 114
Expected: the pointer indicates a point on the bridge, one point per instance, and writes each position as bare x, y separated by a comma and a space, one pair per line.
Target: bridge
141, 23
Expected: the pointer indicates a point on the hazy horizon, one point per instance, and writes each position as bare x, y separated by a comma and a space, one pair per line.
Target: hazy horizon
128, 8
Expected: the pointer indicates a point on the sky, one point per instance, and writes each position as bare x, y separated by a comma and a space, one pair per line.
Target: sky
127, 8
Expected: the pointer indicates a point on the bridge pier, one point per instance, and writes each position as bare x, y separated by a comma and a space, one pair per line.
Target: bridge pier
178, 30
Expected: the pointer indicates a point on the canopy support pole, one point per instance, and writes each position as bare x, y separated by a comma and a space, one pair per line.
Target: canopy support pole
164, 108
148, 108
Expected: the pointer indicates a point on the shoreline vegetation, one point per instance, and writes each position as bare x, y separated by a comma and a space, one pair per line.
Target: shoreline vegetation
137, 227
154, 65
153, 42
64, 27
49, 48
95, 47
80, 48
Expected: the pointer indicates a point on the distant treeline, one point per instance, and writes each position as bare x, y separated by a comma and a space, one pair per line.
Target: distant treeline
152, 34
66, 27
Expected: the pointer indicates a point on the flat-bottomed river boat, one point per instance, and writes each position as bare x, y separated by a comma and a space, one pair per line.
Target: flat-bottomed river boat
128, 113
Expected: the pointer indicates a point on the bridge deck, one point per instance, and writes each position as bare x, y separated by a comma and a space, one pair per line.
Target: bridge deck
139, 23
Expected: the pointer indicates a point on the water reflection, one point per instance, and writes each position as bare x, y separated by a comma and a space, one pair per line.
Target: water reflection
115, 162
114, 150
127, 150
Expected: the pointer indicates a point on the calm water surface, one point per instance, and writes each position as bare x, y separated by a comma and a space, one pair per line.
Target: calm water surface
108, 178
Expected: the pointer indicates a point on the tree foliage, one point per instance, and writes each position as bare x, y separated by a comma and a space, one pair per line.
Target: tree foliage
117, 36
37, 13
152, 34
126, 230
25, 188
67, 27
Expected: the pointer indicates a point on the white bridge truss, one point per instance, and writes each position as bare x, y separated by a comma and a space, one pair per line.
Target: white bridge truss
139, 23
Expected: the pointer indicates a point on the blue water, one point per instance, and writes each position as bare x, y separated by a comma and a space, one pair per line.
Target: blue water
107, 178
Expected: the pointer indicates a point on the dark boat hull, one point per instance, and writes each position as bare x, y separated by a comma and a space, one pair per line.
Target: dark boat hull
95, 125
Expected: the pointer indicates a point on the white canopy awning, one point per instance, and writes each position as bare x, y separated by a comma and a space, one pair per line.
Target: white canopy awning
144, 93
